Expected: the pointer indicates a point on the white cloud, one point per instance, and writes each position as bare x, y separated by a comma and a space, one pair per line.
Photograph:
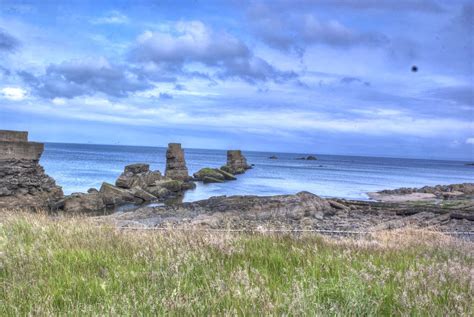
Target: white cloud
470, 141
112, 17
59, 101
196, 43
378, 112
13, 93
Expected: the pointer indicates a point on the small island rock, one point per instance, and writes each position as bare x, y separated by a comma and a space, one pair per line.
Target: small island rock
308, 158
213, 175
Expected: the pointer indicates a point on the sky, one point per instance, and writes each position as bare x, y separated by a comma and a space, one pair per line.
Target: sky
351, 77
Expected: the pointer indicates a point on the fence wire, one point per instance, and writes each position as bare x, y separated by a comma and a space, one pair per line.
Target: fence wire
324, 231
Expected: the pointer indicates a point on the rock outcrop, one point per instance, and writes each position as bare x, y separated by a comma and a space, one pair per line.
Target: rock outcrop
444, 192
236, 162
137, 175
302, 211
238, 210
23, 181
308, 158
175, 163
136, 185
213, 175
84, 202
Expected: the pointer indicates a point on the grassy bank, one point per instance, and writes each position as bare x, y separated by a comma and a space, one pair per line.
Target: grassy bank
71, 266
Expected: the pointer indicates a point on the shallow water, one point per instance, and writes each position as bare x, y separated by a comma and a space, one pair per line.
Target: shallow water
78, 167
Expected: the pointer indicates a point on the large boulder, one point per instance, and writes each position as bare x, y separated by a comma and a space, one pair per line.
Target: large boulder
167, 189
113, 196
137, 168
137, 175
170, 184
143, 195
159, 192
84, 203
175, 163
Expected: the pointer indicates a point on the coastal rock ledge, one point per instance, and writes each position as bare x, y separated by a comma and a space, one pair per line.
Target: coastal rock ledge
303, 210
23, 182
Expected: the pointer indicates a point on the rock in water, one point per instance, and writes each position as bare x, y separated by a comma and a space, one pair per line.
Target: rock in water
137, 168
308, 158
171, 185
227, 176
23, 182
137, 175
175, 163
236, 162
213, 175
208, 172
136, 185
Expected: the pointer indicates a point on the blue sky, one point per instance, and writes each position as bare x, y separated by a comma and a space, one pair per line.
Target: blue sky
307, 76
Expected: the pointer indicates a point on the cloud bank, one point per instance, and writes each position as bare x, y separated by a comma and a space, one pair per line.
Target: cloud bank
286, 75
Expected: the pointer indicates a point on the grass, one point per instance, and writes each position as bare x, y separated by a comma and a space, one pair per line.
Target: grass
71, 266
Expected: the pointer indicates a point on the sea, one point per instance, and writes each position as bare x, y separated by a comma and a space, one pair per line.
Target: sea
78, 167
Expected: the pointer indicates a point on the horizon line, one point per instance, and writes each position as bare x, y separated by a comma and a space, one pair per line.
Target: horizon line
269, 152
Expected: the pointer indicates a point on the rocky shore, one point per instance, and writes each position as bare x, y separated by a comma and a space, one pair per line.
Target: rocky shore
443, 192
24, 184
304, 211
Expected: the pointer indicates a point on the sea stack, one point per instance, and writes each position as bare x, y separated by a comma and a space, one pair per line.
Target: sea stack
236, 162
175, 163
23, 182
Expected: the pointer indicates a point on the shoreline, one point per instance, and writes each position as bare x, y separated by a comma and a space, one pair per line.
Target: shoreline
157, 198
306, 211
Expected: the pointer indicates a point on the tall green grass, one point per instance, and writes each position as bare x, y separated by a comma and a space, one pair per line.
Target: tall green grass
71, 266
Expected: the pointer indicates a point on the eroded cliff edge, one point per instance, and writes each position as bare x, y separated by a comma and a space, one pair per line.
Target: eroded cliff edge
23, 181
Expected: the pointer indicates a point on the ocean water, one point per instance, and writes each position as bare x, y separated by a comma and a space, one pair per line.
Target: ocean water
78, 167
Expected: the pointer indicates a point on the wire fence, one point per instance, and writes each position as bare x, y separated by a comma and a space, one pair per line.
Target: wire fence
263, 230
